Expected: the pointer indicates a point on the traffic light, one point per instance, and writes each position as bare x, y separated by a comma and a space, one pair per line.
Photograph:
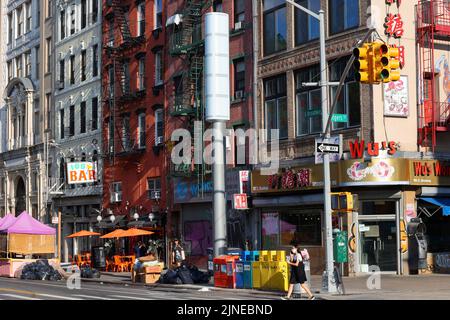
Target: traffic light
378, 51
363, 63
391, 64
341, 201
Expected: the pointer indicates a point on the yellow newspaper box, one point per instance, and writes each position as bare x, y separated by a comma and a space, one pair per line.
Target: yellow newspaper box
256, 274
279, 276
272, 255
281, 256
265, 274
264, 255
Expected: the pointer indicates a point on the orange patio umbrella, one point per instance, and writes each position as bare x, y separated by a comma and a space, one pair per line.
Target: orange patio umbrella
115, 234
83, 233
134, 232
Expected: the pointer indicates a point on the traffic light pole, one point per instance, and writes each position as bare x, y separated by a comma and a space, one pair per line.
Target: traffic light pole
326, 121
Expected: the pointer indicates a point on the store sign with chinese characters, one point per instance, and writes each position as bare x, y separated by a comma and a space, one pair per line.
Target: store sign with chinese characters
396, 98
394, 27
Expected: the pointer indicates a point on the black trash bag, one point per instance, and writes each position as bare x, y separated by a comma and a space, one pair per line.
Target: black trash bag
95, 273
199, 276
185, 275
170, 277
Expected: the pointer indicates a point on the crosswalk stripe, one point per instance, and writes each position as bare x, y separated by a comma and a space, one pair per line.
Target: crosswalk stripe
92, 297
129, 297
19, 296
57, 297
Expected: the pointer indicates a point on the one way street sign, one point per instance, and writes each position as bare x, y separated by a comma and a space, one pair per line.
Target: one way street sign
327, 148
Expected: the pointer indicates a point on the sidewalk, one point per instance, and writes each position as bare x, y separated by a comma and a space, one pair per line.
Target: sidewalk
392, 287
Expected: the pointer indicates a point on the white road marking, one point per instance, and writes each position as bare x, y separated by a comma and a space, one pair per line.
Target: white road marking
129, 297
19, 297
92, 297
57, 297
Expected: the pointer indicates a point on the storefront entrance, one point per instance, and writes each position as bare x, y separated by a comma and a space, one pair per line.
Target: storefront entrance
378, 236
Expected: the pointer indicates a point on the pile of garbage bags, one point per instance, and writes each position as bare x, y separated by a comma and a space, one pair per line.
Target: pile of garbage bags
88, 272
40, 270
184, 275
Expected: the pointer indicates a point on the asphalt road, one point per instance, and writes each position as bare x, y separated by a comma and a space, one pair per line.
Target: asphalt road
16, 289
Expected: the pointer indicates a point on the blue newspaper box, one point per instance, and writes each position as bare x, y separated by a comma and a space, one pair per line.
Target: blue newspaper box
250, 257
240, 274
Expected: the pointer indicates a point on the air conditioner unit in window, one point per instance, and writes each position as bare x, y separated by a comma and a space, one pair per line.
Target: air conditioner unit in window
239, 94
111, 149
238, 25
155, 195
116, 197
159, 141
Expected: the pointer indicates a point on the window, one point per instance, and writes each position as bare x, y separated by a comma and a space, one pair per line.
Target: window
49, 55
38, 20
34, 184
141, 131
10, 28
274, 26
126, 143
111, 81
83, 117
349, 101
158, 14
28, 64
116, 190
301, 226
154, 186
218, 6
306, 26
10, 70
239, 78
111, 33
94, 11
72, 69
94, 117
276, 106
239, 11
61, 74
309, 102
37, 62
37, 122
28, 13
72, 19
141, 19
19, 66
158, 68
19, 14
159, 127
62, 170
49, 8
95, 60
126, 78
62, 24
83, 65
48, 104
141, 74
71, 120
111, 135
83, 14
344, 14
61, 124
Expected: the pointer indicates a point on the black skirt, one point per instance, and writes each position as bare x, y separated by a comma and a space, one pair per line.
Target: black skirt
298, 274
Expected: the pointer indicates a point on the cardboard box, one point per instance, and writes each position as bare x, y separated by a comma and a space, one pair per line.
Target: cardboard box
155, 269
149, 277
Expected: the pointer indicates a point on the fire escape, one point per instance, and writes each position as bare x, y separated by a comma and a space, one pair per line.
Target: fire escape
119, 46
186, 42
432, 31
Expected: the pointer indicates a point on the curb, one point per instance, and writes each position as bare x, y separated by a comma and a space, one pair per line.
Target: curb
177, 287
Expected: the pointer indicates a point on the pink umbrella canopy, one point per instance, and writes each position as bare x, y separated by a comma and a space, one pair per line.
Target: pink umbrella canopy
7, 221
26, 224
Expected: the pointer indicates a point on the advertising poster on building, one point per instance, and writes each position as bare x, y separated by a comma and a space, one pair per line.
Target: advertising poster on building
81, 172
396, 98
270, 230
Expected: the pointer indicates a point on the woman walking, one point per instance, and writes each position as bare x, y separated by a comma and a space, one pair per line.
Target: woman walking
297, 273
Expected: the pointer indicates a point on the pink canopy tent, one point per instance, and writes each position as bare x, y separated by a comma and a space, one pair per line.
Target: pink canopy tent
7, 221
26, 224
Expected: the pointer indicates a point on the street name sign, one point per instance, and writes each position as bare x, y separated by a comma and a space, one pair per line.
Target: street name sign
339, 118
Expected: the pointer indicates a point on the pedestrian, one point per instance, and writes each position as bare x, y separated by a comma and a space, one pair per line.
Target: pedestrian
137, 249
298, 274
178, 255
142, 249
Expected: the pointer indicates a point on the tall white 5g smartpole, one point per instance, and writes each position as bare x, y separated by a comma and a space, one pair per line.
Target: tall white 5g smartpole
217, 91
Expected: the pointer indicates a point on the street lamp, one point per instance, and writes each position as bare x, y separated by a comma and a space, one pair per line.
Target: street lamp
99, 218
151, 216
112, 218
326, 135
136, 216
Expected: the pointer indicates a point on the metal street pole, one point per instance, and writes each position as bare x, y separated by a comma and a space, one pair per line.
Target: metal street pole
326, 156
